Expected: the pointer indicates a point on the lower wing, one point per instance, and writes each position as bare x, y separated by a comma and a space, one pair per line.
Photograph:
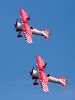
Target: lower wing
43, 81
27, 33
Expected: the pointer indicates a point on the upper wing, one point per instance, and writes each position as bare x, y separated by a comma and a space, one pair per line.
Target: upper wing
43, 81
26, 28
40, 63
24, 16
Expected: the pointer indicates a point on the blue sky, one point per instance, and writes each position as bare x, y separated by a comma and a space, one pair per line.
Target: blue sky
17, 57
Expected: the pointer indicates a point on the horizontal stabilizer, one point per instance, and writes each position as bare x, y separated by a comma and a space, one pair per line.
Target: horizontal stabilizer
63, 81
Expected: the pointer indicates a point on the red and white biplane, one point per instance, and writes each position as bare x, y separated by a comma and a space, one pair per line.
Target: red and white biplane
45, 78
28, 31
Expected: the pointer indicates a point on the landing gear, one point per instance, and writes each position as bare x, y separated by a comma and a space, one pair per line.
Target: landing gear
35, 82
19, 35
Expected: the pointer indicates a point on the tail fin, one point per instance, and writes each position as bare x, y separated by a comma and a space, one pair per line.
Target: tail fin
63, 81
46, 33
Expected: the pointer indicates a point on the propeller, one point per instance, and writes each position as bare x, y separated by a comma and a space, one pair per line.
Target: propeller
16, 22
31, 72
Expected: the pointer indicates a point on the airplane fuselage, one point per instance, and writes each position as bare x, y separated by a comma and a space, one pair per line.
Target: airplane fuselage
19, 28
35, 75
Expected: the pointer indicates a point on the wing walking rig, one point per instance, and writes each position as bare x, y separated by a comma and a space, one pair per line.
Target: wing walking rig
28, 31
45, 78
